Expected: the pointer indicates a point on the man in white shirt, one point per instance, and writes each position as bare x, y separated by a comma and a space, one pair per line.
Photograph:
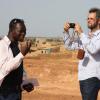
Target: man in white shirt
89, 66
11, 61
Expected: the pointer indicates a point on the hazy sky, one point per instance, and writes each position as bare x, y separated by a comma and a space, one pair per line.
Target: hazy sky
45, 17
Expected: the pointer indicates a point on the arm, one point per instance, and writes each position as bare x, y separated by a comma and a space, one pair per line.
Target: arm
26, 84
7, 65
92, 45
85, 40
70, 44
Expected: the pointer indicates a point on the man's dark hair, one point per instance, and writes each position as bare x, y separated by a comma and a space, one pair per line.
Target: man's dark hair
95, 10
15, 21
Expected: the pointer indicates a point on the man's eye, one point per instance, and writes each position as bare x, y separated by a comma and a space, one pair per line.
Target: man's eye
90, 18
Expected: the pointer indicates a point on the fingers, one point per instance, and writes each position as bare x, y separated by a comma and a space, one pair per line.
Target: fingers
28, 43
66, 26
78, 28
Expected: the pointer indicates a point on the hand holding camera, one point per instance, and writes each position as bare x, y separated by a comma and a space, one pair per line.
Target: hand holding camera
66, 27
75, 26
78, 29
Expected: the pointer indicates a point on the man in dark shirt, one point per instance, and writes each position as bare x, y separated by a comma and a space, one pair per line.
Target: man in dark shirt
11, 61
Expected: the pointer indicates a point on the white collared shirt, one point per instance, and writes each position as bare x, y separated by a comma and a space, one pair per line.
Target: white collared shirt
90, 65
7, 61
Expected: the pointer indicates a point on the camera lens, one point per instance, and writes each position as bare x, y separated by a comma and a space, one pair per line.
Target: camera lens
72, 25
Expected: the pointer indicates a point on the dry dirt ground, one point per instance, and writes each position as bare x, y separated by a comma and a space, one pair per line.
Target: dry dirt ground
55, 77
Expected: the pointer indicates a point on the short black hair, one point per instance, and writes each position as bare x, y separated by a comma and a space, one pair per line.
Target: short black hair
15, 21
95, 10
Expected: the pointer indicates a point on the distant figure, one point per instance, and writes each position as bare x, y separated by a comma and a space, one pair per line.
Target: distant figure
11, 62
89, 63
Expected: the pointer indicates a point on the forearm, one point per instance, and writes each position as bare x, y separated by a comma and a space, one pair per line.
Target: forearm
85, 40
91, 45
70, 43
10, 65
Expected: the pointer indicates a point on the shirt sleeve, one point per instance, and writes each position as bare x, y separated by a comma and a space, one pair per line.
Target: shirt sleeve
69, 42
7, 65
92, 45
85, 40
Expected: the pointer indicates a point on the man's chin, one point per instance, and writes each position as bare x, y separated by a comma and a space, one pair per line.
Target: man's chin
90, 27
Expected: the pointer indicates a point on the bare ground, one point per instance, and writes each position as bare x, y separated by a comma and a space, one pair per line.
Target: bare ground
56, 77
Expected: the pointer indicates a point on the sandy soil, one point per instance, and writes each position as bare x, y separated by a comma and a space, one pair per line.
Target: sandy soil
55, 77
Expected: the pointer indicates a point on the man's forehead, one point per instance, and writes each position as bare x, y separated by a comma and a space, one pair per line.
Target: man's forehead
92, 15
18, 26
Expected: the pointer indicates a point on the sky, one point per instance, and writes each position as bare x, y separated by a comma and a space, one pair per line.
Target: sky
45, 18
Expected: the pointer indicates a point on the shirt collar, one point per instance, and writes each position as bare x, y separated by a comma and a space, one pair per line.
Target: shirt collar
96, 33
6, 39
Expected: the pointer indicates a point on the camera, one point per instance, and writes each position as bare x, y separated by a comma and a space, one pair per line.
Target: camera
28, 87
72, 25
